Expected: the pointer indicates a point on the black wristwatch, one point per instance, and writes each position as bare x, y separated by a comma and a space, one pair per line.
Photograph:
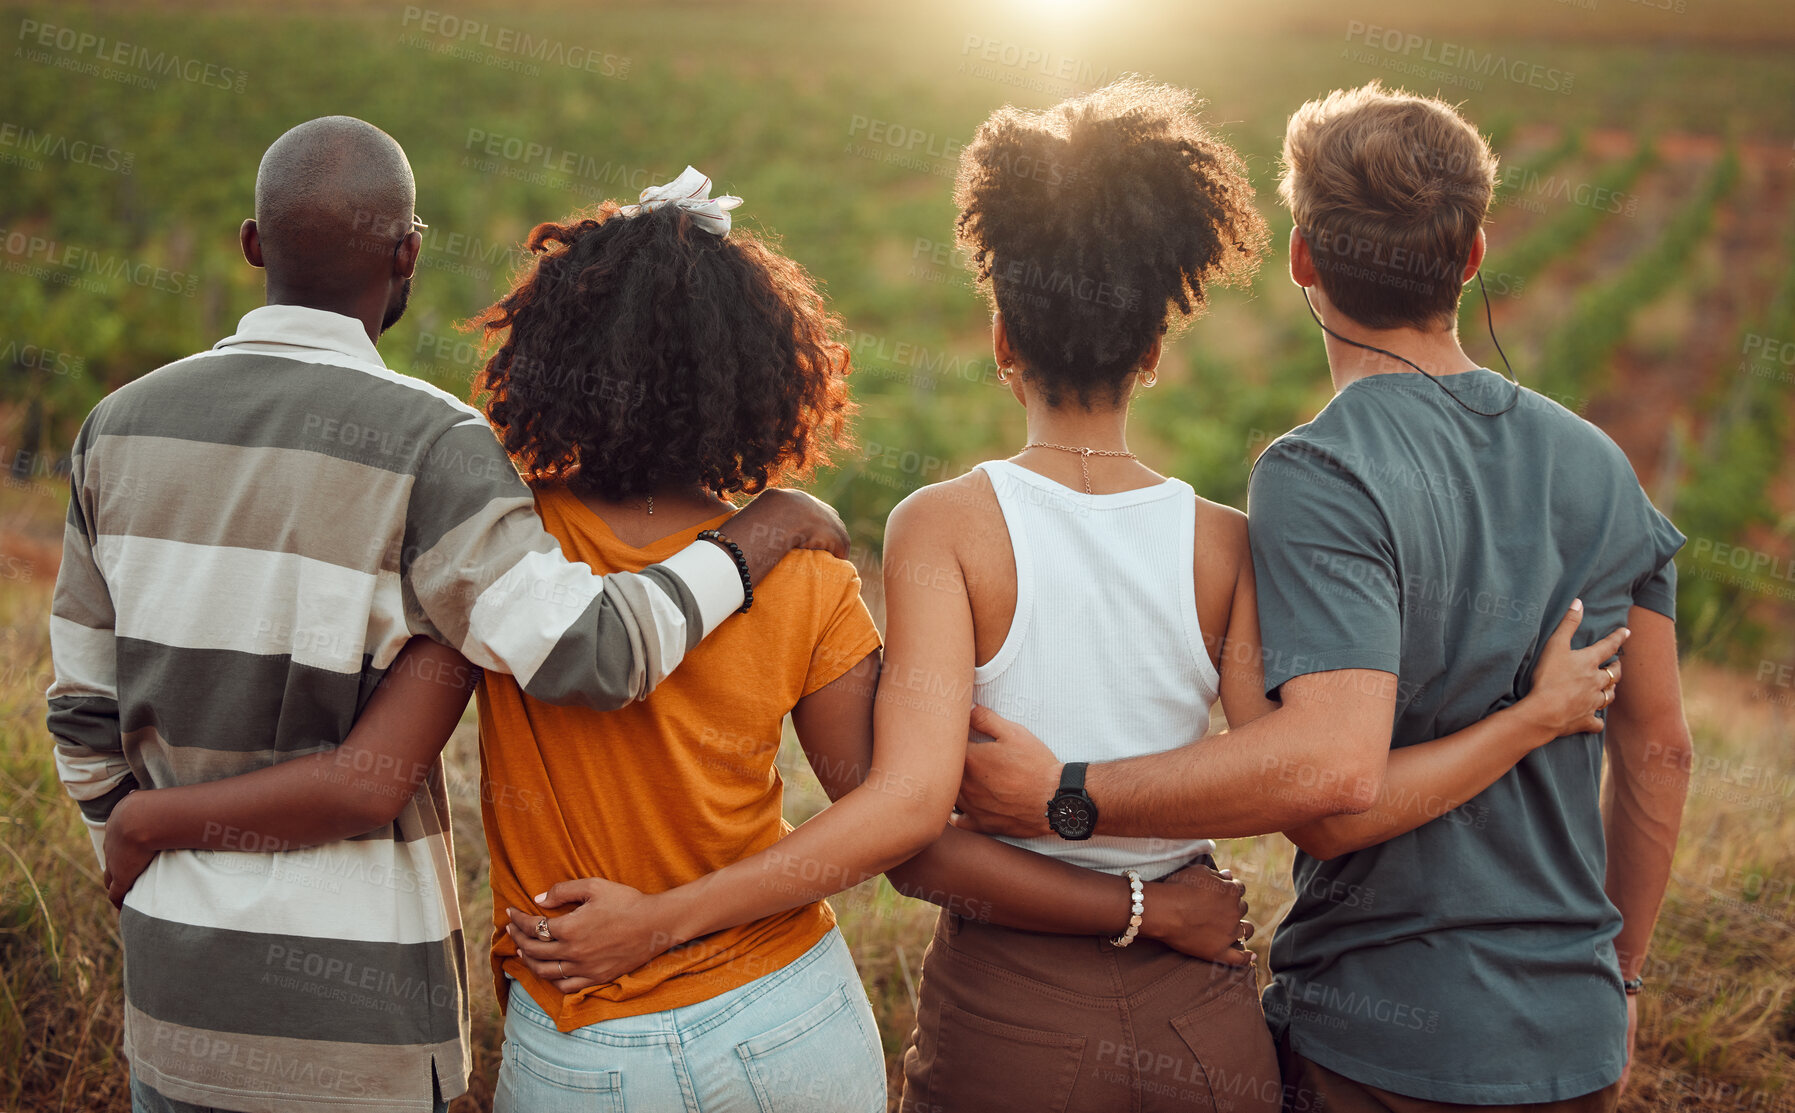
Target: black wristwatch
1072, 813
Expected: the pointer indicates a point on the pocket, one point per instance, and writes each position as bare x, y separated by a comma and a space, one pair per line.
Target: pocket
528, 1083
824, 1060
1233, 1046
990, 1065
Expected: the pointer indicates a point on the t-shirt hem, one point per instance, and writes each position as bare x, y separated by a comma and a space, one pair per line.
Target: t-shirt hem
848, 658
263, 1101
1331, 660
1658, 602
1460, 1093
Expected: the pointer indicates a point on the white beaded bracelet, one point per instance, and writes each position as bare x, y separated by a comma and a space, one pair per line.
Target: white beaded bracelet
1139, 905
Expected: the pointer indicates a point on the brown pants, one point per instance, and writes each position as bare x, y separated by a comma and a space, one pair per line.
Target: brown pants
1311, 1088
1015, 1020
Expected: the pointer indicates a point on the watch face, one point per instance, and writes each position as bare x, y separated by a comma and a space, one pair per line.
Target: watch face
1071, 817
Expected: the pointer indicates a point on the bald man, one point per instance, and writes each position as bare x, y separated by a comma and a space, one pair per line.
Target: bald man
253, 534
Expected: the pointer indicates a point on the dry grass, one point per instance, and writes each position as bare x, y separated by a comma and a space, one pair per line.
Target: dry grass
1717, 1019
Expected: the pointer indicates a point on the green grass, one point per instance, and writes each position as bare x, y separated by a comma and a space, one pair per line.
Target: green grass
777, 103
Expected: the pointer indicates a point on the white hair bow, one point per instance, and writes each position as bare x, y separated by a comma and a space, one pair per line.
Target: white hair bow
691, 192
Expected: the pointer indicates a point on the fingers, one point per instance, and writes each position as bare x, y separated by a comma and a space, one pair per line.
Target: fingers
1233, 956
987, 721
965, 821
837, 540
827, 532
1567, 625
558, 973
1247, 930
522, 930
1608, 646
565, 892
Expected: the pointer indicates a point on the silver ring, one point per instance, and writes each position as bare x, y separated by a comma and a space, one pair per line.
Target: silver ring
542, 931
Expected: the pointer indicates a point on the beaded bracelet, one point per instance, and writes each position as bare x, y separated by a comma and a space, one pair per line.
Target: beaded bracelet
741, 565
1138, 897
1632, 986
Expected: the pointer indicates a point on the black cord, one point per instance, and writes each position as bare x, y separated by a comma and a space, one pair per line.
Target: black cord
1488, 317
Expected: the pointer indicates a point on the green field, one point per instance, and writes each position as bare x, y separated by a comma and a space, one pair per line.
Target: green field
1640, 267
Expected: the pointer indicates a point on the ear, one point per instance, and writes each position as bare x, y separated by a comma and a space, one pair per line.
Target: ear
1006, 356
250, 239
1478, 247
405, 255
1302, 264
1000, 342
1150, 361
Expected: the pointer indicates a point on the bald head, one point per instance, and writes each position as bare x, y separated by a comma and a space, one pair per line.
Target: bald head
333, 198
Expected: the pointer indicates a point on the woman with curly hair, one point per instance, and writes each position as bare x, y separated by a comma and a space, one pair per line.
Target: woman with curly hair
649, 946
664, 941
1096, 228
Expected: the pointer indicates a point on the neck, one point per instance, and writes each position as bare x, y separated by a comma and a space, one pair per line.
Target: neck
1104, 429
369, 309
1436, 352
667, 497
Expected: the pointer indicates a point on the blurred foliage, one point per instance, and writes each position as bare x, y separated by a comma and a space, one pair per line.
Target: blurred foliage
1729, 494
839, 124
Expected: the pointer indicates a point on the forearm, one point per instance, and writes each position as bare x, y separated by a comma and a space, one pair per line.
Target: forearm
1425, 781
858, 837
1642, 812
983, 879
310, 800
1322, 753
1256, 780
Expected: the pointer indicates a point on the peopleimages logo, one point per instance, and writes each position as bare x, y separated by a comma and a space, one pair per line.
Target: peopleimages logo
1457, 56
48, 44
464, 38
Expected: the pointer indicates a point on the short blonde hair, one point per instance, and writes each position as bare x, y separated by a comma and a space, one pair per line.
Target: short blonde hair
1389, 190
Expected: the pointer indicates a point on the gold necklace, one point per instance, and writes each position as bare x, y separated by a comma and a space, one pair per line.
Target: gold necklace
1084, 457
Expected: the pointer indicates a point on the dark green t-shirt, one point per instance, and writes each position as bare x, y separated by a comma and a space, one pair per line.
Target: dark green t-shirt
1472, 959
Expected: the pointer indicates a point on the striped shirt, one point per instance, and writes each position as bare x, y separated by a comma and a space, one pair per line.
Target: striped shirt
253, 534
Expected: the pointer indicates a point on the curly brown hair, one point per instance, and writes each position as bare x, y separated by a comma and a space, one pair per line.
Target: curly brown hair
1097, 225
642, 351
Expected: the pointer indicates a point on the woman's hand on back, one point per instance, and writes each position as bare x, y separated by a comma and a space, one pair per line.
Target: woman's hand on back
1571, 685
613, 930
1201, 913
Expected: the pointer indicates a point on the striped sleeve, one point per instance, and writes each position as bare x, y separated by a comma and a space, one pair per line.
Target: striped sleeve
481, 574
83, 697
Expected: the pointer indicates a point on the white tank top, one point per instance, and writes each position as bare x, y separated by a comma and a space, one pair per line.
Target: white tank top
1105, 656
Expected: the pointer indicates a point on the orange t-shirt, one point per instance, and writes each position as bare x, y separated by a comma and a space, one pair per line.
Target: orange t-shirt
671, 787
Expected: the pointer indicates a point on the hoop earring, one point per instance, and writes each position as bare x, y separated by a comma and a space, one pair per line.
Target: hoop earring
1148, 378
1004, 371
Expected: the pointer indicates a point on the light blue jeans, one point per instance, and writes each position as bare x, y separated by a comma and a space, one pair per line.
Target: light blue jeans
798, 1040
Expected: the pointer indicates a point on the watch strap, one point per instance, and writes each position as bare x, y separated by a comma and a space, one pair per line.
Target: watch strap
1072, 777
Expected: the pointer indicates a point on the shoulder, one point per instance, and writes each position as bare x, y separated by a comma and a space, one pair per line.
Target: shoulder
938, 512
1302, 454
149, 388
1220, 520
816, 571
1221, 553
1221, 532
1572, 428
